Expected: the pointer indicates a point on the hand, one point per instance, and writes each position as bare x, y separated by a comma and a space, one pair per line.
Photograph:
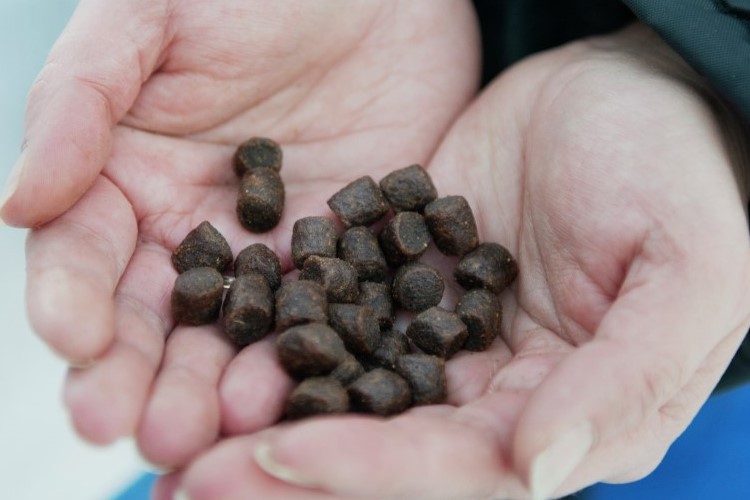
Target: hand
606, 171
130, 130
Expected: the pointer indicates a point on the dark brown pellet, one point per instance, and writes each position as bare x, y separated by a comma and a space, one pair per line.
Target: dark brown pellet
196, 297
204, 246
489, 266
261, 200
313, 236
348, 370
409, 188
360, 248
257, 152
381, 392
316, 396
404, 238
260, 259
481, 312
378, 297
452, 225
299, 302
337, 276
248, 309
437, 331
310, 350
359, 203
417, 287
392, 345
356, 325
425, 375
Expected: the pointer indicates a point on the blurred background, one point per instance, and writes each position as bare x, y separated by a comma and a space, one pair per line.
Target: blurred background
42, 458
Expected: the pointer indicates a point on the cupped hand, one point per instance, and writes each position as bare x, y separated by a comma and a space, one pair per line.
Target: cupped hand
612, 174
130, 130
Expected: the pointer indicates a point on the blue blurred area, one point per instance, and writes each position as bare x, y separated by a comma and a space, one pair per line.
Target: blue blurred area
139, 490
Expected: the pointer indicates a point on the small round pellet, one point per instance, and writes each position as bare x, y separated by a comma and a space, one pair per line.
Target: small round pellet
437, 331
348, 370
337, 276
404, 238
377, 296
316, 396
359, 203
408, 189
393, 344
481, 312
360, 248
261, 200
196, 297
258, 258
204, 246
381, 392
356, 325
452, 225
417, 287
425, 375
257, 152
248, 309
313, 236
310, 350
489, 266
299, 302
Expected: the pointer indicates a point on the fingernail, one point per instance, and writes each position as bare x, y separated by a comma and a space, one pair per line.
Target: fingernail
558, 461
181, 495
264, 458
11, 184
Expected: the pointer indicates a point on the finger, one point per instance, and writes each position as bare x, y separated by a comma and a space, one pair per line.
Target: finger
92, 77
166, 486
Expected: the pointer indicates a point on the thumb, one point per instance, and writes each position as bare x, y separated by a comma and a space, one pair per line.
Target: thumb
90, 80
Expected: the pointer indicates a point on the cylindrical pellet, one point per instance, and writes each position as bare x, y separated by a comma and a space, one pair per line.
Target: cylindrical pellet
481, 312
359, 203
204, 246
310, 350
437, 331
408, 189
337, 276
257, 152
392, 345
316, 396
348, 370
425, 375
313, 236
489, 266
258, 258
299, 302
452, 225
261, 200
356, 325
196, 297
417, 287
248, 309
404, 238
377, 296
360, 248
381, 392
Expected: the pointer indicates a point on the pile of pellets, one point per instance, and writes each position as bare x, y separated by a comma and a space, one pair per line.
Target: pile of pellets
336, 323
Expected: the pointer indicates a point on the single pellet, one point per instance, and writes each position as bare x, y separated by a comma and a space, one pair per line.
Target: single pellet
408, 189
425, 375
381, 392
437, 331
481, 312
359, 203
393, 344
417, 287
316, 396
360, 248
204, 246
257, 152
310, 350
356, 325
489, 266
261, 200
313, 236
337, 276
452, 225
258, 258
348, 370
404, 238
196, 297
299, 302
377, 296
248, 309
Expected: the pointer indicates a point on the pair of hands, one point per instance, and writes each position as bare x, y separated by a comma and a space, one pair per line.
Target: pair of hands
604, 167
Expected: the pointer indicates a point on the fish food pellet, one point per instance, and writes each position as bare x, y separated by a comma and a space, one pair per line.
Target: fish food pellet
425, 375
437, 331
196, 297
408, 189
360, 248
404, 238
261, 200
316, 396
392, 345
260, 259
337, 276
356, 325
381, 392
309, 350
257, 152
313, 236
204, 246
377, 296
417, 287
348, 370
489, 266
481, 312
452, 225
359, 203
299, 302
248, 309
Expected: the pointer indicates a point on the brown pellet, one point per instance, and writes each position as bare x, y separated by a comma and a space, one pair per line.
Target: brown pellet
313, 236
248, 309
348, 370
316, 396
257, 152
481, 312
360, 248
404, 238
392, 345
381, 392
425, 375
310, 350
408, 189
417, 287
378, 297
261, 200
452, 225
359, 203
260, 259
196, 297
489, 266
437, 331
204, 246
356, 325
299, 302
337, 276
